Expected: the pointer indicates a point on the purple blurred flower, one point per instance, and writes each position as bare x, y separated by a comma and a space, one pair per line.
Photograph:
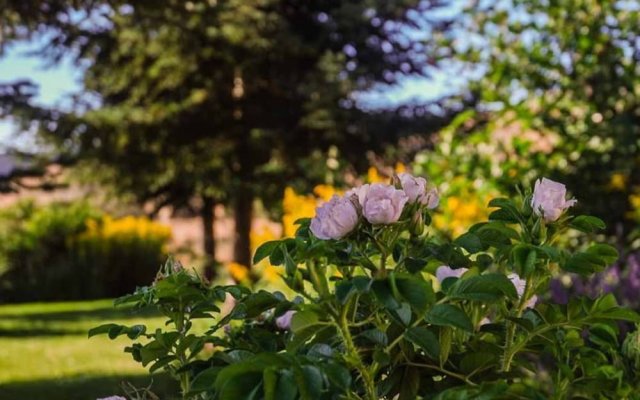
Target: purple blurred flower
444, 271
621, 279
284, 321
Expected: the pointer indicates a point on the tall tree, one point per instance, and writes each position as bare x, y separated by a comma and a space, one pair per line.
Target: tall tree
224, 99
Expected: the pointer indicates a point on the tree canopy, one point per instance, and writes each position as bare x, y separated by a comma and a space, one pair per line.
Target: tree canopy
225, 101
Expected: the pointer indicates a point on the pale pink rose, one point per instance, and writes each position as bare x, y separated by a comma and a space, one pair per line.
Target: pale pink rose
549, 199
416, 190
334, 219
381, 203
359, 192
284, 321
444, 271
520, 285
485, 321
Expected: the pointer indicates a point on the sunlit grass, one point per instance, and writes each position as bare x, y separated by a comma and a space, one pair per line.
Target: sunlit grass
45, 352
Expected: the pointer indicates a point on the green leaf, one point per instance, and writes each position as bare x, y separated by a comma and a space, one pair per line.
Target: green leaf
415, 265
416, 291
164, 361
525, 323
305, 335
135, 331
338, 375
289, 264
506, 212
313, 380
470, 242
103, 329
494, 233
402, 314
286, 389
424, 339
344, 290
446, 339
242, 380
259, 302
205, 379
587, 224
606, 252
449, 315
487, 287
524, 258
303, 319
382, 291
270, 383
505, 215
475, 361
265, 250
583, 264
410, 384
376, 336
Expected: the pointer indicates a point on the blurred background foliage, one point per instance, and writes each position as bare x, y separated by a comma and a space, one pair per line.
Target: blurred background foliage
73, 251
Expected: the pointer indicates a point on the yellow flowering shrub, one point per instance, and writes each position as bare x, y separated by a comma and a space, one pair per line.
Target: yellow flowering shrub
239, 272
127, 251
127, 228
375, 176
462, 207
259, 235
296, 206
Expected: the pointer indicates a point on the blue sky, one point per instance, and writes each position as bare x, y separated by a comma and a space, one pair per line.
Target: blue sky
54, 81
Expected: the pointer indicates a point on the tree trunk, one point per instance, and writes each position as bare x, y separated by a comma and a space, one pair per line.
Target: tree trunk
243, 214
208, 227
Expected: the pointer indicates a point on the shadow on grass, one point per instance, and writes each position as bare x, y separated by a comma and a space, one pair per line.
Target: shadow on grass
38, 332
104, 313
87, 387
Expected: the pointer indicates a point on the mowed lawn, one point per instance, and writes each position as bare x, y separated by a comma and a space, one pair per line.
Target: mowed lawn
45, 353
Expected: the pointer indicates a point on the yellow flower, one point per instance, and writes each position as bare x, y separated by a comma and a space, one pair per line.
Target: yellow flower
295, 207
238, 272
326, 192
618, 181
400, 168
373, 176
261, 234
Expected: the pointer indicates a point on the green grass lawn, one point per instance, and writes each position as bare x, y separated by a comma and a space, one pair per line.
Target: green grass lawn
45, 353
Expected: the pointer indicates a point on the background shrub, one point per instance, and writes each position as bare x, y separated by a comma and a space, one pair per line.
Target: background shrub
70, 251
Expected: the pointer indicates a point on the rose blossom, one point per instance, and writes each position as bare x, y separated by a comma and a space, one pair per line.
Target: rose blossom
444, 271
381, 204
284, 321
549, 199
416, 189
520, 285
334, 219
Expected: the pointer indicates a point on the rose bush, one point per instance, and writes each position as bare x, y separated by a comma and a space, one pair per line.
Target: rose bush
386, 311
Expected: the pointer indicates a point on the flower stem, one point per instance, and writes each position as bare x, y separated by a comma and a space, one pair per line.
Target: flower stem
508, 354
354, 356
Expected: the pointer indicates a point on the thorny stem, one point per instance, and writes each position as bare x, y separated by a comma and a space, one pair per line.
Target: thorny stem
343, 325
185, 384
508, 354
